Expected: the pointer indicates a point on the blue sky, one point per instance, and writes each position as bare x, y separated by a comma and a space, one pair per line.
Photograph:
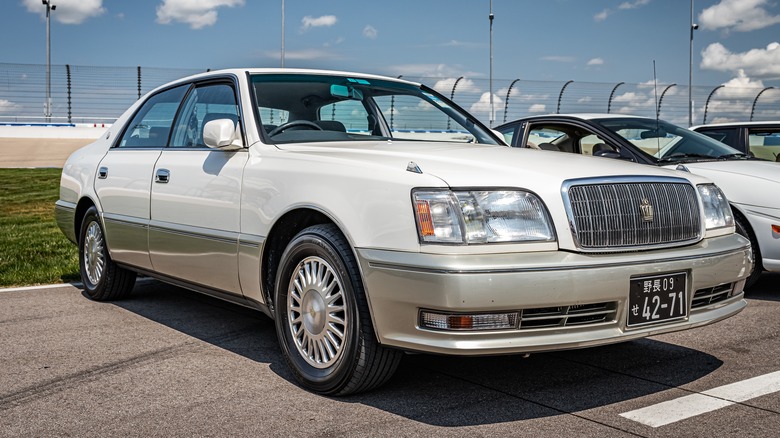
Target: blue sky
590, 41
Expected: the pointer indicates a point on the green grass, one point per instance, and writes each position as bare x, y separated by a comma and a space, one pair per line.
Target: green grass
33, 250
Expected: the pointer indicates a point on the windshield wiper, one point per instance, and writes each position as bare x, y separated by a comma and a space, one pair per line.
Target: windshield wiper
678, 156
735, 155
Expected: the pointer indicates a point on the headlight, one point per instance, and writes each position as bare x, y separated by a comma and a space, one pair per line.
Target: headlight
717, 212
481, 216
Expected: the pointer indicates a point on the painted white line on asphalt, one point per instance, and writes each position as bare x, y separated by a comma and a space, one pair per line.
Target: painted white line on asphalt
692, 405
45, 286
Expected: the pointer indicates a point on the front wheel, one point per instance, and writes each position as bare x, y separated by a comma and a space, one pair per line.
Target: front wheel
322, 317
103, 280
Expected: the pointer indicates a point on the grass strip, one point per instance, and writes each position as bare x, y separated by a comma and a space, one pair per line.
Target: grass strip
33, 250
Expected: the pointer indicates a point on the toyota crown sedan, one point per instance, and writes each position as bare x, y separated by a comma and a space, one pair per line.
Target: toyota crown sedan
370, 216
751, 184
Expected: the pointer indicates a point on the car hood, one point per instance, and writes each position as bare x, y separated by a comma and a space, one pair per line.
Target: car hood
469, 165
751, 182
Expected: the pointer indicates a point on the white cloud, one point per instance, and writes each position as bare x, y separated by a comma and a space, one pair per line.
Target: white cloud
762, 63
738, 15
7, 106
537, 108
427, 70
197, 13
68, 11
633, 5
370, 32
482, 106
585, 99
444, 86
601, 16
595, 61
308, 22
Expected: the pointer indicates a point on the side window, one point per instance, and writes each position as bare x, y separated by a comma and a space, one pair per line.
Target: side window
413, 118
345, 115
202, 105
151, 125
509, 134
545, 138
723, 135
765, 143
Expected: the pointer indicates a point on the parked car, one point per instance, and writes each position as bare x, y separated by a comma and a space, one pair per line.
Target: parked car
759, 139
750, 184
369, 216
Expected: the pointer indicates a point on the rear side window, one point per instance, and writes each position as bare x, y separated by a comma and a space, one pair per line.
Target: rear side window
151, 125
765, 143
724, 135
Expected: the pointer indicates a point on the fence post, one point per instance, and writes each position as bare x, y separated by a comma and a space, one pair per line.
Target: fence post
660, 101
611, 95
707, 104
753, 108
560, 97
139, 81
506, 102
67, 72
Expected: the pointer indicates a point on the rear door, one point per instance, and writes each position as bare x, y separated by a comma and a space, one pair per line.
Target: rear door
124, 177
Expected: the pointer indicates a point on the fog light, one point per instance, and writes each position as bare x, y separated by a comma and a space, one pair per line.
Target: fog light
480, 321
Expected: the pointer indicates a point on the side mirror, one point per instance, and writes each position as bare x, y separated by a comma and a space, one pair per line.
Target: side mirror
222, 134
608, 154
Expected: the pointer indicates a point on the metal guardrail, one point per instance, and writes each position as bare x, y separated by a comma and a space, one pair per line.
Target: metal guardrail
96, 94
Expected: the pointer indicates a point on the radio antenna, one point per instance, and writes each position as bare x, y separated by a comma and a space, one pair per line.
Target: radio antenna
657, 109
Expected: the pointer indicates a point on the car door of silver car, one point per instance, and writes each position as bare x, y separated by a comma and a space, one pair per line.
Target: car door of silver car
125, 175
196, 194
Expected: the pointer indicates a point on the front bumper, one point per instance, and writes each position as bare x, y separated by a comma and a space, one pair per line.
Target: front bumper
400, 284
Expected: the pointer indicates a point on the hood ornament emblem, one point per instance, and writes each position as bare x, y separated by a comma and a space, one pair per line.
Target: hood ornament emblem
646, 208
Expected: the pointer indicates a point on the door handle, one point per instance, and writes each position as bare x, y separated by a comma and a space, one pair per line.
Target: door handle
162, 176
103, 173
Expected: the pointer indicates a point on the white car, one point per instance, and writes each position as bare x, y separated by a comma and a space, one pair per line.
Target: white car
369, 216
750, 184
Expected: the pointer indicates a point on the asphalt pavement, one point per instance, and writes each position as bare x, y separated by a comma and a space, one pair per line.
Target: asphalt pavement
169, 362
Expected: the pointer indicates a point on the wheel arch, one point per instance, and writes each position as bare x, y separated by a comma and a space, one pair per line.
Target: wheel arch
280, 235
83, 205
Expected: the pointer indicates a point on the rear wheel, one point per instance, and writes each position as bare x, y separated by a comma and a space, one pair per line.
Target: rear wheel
743, 228
322, 317
103, 280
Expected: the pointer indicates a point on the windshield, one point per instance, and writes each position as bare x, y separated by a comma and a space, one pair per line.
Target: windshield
321, 108
665, 142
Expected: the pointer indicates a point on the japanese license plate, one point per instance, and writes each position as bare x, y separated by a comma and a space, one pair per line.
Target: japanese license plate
655, 299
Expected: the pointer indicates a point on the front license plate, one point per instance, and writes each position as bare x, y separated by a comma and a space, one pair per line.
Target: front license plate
655, 299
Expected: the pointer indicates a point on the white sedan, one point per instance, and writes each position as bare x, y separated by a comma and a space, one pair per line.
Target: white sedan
369, 216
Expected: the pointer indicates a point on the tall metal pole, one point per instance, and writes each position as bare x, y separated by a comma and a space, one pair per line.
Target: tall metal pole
492, 111
694, 26
47, 105
283, 33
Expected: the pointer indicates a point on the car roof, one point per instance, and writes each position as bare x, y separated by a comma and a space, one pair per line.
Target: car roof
737, 124
242, 71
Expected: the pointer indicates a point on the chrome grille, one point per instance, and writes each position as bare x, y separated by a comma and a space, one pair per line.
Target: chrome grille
568, 316
616, 215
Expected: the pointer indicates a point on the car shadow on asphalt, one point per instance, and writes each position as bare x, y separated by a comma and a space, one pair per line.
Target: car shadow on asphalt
449, 391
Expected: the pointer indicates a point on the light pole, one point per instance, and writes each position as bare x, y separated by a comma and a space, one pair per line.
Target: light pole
282, 33
492, 113
47, 105
694, 26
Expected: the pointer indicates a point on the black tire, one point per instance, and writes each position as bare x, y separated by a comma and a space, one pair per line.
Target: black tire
331, 350
743, 228
103, 280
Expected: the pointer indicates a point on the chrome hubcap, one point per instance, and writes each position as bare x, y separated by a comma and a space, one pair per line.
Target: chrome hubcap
317, 312
94, 257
